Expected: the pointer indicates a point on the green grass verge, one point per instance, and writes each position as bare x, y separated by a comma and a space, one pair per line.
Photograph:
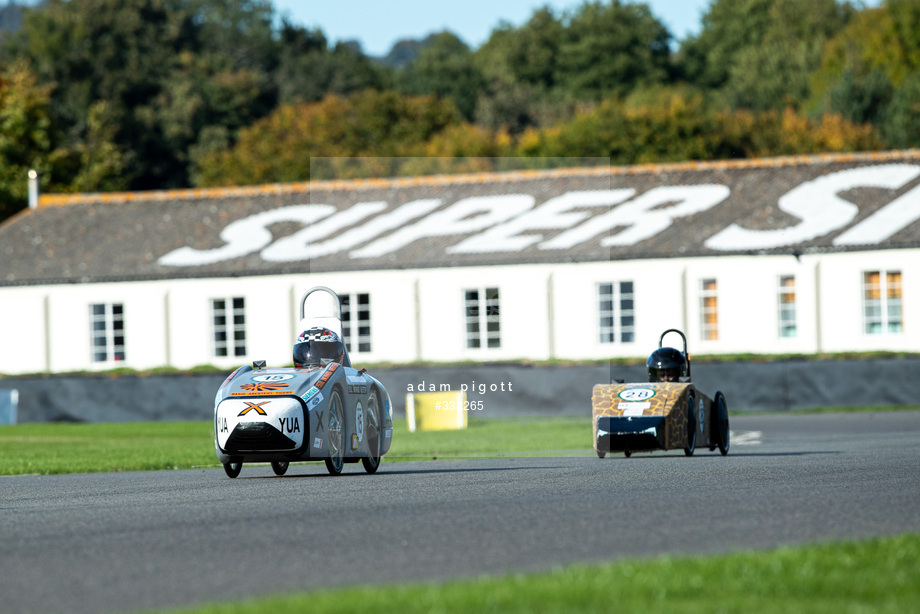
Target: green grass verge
49, 448
878, 576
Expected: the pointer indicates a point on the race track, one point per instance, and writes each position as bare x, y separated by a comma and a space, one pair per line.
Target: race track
131, 541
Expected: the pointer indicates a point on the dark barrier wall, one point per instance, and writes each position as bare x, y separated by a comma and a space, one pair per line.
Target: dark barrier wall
528, 390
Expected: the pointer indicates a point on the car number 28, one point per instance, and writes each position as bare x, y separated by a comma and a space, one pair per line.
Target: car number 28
636, 394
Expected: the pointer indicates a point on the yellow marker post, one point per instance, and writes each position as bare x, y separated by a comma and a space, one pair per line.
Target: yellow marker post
436, 411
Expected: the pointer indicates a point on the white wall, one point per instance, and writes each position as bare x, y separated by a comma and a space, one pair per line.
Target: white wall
22, 330
546, 311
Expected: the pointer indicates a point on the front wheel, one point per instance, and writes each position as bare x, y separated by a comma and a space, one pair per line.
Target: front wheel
691, 425
336, 434
372, 433
720, 422
280, 467
601, 454
233, 468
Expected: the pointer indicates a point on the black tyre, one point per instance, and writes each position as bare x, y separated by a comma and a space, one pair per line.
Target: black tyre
720, 423
233, 468
601, 454
627, 453
280, 467
336, 434
372, 431
691, 425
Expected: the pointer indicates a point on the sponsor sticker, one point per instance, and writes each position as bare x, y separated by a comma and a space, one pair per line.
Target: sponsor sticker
315, 400
262, 387
326, 375
260, 394
309, 394
317, 442
633, 409
387, 433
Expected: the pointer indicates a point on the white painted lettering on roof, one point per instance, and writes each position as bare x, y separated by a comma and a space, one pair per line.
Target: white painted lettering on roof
641, 217
299, 246
818, 207
247, 235
463, 217
888, 220
511, 222
556, 213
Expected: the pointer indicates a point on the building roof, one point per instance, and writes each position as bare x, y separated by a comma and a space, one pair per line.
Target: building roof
796, 204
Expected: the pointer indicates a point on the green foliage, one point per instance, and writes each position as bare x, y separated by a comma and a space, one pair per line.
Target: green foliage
373, 123
675, 124
760, 54
308, 69
445, 68
31, 139
611, 49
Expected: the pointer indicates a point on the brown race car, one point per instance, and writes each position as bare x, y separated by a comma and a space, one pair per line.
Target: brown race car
665, 413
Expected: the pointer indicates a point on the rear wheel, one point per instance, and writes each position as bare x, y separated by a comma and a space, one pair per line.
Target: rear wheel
233, 468
601, 454
336, 434
372, 433
280, 467
720, 423
691, 424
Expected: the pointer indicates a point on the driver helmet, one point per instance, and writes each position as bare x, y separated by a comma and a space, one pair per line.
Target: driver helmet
666, 365
318, 347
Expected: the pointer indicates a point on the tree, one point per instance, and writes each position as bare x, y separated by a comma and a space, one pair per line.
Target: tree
445, 67
868, 71
30, 139
286, 145
611, 49
760, 54
308, 69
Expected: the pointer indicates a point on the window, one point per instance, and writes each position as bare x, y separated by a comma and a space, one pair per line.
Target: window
107, 326
709, 310
882, 302
786, 297
482, 321
229, 318
615, 310
356, 321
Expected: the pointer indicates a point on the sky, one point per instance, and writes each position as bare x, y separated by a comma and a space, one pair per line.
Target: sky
378, 24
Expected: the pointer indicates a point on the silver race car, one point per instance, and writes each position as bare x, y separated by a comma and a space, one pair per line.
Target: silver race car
322, 409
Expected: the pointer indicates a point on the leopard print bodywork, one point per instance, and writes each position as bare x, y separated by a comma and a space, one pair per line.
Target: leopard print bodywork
668, 399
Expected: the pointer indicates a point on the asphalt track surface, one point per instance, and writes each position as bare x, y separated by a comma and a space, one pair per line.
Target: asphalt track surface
132, 541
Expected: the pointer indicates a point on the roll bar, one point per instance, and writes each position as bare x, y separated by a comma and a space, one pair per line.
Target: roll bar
330, 291
684, 338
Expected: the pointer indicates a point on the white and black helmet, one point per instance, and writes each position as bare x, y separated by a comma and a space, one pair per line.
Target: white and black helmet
317, 347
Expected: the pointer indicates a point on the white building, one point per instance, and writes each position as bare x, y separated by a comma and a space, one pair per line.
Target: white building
776, 256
